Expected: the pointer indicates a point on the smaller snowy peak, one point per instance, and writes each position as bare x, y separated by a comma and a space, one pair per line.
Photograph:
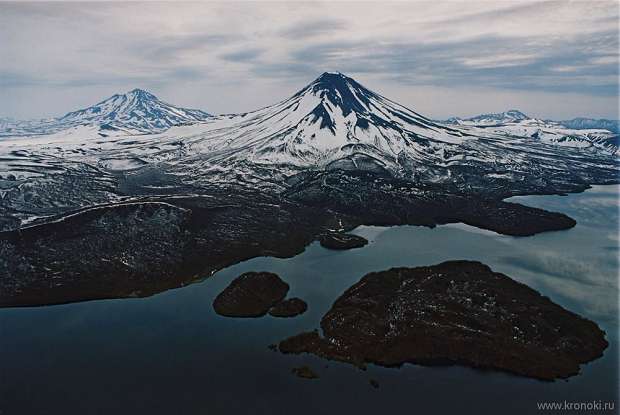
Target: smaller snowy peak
495, 118
135, 112
513, 115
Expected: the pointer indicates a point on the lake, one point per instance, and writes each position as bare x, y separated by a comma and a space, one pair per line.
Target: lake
171, 353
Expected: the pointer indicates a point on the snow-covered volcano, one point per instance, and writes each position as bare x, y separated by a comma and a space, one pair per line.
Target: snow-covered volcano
136, 111
333, 119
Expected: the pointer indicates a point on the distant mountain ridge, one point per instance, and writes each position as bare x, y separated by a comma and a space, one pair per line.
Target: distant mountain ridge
136, 111
491, 118
581, 123
578, 132
578, 123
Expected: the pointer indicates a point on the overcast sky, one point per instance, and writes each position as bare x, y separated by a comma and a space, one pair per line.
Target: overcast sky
549, 59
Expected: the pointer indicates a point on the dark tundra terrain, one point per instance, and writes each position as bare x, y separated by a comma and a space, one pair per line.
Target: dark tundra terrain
119, 205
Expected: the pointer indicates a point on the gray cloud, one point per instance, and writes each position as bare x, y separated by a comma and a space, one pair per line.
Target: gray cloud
314, 28
486, 61
209, 54
169, 48
244, 55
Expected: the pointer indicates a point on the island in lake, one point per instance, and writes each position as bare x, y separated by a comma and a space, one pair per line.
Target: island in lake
457, 312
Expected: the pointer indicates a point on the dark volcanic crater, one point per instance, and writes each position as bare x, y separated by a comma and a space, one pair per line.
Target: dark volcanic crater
457, 312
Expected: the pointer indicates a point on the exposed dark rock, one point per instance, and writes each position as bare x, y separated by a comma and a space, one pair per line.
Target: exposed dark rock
304, 372
457, 312
289, 308
250, 295
334, 240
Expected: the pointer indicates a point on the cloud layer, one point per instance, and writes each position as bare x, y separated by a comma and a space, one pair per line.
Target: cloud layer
553, 59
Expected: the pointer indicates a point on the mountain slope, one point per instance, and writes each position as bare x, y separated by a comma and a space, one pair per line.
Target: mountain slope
136, 111
332, 120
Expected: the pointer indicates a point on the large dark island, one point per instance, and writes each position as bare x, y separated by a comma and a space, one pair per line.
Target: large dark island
457, 312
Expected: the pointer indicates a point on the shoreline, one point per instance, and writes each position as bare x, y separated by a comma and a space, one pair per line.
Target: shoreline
197, 270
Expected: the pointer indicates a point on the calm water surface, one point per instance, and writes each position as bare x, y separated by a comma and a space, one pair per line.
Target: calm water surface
172, 354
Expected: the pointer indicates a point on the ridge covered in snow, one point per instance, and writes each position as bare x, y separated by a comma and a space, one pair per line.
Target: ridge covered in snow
572, 133
490, 119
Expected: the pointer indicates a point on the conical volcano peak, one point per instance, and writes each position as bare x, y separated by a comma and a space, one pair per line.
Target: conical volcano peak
336, 81
332, 76
340, 91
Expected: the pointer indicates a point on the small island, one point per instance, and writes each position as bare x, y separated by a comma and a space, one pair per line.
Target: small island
457, 312
250, 295
255, 294
289, 308
304, 372
341, 241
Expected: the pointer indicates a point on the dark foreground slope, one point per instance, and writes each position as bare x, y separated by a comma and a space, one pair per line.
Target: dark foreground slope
148, 246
